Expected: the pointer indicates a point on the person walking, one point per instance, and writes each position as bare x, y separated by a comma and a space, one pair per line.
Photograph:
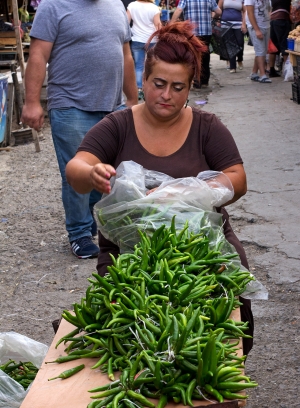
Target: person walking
280, 26
145, 18
89, 61
234, 12
200, 12
258, 24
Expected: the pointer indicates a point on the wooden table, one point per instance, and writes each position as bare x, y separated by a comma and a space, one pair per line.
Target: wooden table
293, 57
72, 392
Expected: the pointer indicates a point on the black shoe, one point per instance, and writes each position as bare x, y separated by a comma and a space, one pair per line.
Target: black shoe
273, 73
84, 248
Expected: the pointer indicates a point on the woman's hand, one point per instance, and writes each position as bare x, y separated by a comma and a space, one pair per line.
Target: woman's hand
244, 28
151, 191
85, 172
100, 175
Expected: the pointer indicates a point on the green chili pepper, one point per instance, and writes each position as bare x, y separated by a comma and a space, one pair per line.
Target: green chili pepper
69, 373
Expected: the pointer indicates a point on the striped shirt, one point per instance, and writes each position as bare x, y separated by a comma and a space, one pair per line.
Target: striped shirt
199, 13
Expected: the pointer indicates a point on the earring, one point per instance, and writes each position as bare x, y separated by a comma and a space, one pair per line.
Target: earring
141, 94
186, 104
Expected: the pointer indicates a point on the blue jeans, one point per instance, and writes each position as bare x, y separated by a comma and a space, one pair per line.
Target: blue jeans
138, 52
69, 127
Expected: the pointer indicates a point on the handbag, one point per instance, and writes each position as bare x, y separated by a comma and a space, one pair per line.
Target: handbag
272, 49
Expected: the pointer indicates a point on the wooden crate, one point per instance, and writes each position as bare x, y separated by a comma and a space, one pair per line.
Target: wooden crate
7, 38
73, 391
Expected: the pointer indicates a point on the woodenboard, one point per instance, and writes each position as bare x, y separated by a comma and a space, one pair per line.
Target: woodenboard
293, 55
73, 391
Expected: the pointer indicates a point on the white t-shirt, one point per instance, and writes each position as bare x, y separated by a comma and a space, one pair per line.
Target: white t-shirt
262, 10
142, 14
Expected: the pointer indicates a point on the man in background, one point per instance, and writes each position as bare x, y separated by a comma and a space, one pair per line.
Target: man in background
200, 12
89, 63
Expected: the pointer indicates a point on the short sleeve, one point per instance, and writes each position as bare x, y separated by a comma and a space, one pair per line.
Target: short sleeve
182, 4
102, 140
45, 29
220, 149
214, 5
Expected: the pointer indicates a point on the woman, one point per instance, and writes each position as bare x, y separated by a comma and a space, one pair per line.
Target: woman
145, 18
163, 134
234, 12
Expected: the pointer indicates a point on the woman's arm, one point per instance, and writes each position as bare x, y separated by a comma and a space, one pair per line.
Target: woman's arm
85, 172
220, 4
156, 21
238, 179
128, 16
244, 26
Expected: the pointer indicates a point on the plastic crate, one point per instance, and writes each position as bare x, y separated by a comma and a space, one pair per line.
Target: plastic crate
223, 40
296, 93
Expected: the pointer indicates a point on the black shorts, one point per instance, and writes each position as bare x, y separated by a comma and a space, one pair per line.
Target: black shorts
279, 33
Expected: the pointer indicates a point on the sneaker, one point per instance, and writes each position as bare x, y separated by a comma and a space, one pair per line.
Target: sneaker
264, 80
232, 71
241, 66
84, 248
254, 77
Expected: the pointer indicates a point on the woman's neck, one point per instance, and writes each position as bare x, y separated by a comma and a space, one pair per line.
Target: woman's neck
162, 123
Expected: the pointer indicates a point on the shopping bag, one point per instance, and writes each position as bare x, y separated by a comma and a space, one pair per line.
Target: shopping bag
272, 49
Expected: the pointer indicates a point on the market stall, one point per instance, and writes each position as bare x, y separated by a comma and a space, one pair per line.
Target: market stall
15, 22
293, 42
11, 48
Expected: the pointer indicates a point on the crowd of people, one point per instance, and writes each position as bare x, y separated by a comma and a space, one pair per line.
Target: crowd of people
265, 22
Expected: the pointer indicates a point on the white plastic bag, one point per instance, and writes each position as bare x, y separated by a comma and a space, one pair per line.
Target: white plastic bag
288, 70
128, 209
17, 347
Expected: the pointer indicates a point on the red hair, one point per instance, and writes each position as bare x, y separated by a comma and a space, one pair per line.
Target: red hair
176, 44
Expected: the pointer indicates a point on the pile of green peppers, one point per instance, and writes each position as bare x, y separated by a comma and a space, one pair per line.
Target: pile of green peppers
22, 372
161, 316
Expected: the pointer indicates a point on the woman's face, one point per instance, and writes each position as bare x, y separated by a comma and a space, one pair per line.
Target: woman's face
166, 89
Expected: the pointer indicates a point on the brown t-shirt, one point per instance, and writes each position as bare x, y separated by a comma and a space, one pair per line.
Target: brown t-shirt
209, 145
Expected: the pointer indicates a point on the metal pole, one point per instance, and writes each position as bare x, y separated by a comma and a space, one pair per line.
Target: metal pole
168, 11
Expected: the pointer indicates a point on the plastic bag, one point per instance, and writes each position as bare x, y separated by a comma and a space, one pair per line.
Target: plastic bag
128, 209
288, 73
17, 347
